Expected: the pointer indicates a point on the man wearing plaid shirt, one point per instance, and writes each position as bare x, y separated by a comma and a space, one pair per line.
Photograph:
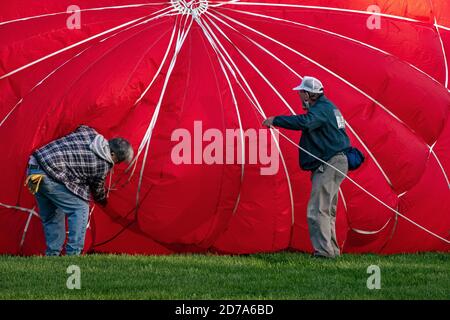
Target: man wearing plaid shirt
63, 175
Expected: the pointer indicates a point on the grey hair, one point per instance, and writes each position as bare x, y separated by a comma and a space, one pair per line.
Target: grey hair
122, 149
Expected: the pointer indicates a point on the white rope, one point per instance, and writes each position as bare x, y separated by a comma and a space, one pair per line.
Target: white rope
441, 166
241, 134
363, 189
180, 41
437, 26
258, 71
133, 163
444, 53
258, 108
90, 217
355, 183
315, 63
261, 47
343, 199
165, 12
25, 229
76, 45
374, 159
38, 84
282, 5
75, 56
365, 232
179, 37
368, 232
238, 115
215, 4
159, 69
31, 211
384, 108
370, 13
130, 6
322, 67
334, 34
116, 46
220, 59
290, 108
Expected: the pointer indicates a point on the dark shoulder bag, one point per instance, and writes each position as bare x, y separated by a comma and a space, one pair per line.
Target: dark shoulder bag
355, 158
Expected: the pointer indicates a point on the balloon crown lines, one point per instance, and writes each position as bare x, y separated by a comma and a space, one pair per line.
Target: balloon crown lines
193, 7
229, 146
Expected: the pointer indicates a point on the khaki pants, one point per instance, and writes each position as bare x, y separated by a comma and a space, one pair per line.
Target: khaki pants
322, 204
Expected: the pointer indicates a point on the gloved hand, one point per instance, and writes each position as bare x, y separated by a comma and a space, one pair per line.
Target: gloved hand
268, 122
103, 202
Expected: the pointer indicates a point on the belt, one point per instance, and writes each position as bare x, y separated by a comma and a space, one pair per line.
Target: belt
33, 166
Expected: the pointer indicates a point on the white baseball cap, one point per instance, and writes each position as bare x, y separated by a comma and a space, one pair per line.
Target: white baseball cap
310, 84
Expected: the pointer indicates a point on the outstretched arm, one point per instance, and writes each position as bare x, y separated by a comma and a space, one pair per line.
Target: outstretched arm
309, 121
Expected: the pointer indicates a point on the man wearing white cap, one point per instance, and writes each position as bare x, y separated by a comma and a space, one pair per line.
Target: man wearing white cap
323, 135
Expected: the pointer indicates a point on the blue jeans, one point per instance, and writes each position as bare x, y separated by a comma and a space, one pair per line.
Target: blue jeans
55, 202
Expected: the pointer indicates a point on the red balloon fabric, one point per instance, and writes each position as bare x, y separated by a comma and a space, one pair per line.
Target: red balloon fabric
151, 70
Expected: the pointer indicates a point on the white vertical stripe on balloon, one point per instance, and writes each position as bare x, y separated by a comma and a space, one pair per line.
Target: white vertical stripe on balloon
159, 69
258, 107
133, 163
220, 56
277, 93
148, 135
241, 131
239, 121
149, 129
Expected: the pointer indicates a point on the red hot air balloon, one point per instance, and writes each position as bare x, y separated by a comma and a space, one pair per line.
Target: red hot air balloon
145, 70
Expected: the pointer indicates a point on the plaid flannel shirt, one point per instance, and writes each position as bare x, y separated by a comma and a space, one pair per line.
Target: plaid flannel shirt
69, 160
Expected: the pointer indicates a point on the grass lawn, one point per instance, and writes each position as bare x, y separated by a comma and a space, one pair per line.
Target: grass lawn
278, 276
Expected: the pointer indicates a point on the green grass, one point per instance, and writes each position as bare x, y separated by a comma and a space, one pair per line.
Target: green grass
278, 276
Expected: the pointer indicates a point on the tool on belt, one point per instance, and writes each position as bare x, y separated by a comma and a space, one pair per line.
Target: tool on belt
33, 182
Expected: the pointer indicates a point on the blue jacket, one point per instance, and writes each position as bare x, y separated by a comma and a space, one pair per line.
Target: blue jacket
323, 132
